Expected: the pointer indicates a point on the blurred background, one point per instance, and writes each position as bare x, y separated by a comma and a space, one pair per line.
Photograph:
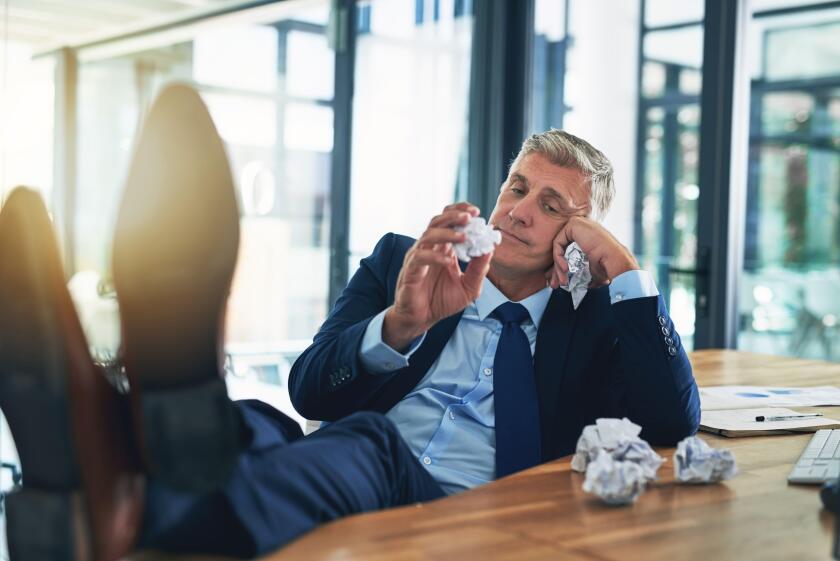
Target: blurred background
347, 119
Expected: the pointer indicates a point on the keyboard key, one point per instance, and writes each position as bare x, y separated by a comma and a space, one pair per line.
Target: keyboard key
818, 472
820, 460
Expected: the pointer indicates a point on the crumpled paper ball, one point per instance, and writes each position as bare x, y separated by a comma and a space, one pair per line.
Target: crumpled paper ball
579, 274
616, 482
620, 438
640, 453
697, 462
481, 239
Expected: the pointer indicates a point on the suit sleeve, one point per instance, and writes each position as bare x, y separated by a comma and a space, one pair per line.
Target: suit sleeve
328, 381
655, 383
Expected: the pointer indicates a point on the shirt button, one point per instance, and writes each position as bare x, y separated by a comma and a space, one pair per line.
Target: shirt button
427, 460
488, 371
389, 365
619, 297
452, 415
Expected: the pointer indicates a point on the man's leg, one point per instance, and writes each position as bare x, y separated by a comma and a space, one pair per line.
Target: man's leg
82, 492
284, 486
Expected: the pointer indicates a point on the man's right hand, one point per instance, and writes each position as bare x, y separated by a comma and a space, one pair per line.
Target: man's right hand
431, 285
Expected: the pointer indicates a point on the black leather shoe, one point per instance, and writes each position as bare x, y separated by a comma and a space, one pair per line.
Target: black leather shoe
82, 492
174, 254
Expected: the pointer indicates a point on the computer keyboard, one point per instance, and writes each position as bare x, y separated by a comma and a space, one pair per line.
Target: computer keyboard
820, 461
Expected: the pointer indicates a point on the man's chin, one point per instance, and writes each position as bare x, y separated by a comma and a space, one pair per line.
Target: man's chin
512, 263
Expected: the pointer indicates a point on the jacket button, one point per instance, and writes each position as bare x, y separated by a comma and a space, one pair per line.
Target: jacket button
669, 341
662, 320
664, 331
672, 350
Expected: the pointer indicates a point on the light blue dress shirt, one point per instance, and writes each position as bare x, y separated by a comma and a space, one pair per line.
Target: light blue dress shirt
448, 419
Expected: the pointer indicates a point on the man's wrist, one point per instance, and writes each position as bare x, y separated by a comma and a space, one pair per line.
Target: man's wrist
621, 266
398, 332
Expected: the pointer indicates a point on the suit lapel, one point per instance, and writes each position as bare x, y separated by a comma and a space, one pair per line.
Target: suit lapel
551, 358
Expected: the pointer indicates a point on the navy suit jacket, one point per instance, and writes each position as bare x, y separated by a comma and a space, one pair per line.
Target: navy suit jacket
601, 360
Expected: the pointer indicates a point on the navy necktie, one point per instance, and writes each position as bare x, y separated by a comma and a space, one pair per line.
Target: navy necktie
515, 395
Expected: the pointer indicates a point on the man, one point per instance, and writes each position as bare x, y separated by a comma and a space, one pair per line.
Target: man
489, 369
174, 464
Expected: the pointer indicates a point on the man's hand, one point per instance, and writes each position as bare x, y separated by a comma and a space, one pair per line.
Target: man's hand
608, 258
431, 285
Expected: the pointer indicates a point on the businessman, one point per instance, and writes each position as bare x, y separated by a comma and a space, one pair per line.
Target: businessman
487, 369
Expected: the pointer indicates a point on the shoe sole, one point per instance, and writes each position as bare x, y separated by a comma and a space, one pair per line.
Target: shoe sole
82, 494
174, 254
45, 518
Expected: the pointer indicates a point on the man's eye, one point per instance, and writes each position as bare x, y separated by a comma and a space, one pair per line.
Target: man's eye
549, 208
517, 190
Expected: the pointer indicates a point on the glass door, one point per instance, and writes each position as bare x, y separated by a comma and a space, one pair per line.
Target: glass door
791, 271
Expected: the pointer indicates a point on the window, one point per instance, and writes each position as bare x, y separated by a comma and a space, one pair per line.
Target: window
26, 120
267, 81
412, 81
791, 269
644, 114
668, 154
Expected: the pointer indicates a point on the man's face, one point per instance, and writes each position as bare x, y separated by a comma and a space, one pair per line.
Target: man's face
534, 204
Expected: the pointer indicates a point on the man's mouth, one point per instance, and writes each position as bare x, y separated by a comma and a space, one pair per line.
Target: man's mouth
513, 237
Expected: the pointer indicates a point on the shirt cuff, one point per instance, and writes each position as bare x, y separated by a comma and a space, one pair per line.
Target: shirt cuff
376, 356
632, 284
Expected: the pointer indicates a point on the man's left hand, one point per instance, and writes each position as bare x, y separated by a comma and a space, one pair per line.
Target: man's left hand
608, 258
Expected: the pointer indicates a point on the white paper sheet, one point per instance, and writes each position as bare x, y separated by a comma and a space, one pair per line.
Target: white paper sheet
745, 397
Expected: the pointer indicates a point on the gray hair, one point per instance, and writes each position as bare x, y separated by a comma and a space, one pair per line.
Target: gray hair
567, 150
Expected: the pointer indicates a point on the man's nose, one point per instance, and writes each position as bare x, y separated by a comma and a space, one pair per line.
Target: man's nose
522, 212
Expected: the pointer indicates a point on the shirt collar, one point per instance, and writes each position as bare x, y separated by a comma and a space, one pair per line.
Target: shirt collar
491, 298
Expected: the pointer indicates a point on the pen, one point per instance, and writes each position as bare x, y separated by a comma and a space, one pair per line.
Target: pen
762, 418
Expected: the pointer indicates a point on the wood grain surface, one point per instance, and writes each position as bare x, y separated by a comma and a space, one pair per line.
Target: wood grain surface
542, 513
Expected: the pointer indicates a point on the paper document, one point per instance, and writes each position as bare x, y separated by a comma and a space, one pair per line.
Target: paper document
741, 422
742, 397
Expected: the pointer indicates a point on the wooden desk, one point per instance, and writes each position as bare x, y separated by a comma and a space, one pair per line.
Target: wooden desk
542, 513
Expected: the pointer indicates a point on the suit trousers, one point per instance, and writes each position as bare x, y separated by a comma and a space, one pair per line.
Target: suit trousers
285, 484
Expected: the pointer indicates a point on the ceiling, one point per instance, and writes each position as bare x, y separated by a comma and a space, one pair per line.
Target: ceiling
44, 24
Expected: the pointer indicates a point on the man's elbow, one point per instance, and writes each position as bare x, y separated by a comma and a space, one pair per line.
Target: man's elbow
669, 432
302, 399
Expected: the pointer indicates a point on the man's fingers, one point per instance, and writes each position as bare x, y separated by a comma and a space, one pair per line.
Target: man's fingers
434, 236
450, 218
473, 277
562, 241
426, 257
568, 234
561, 276
561, 263
464, 207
